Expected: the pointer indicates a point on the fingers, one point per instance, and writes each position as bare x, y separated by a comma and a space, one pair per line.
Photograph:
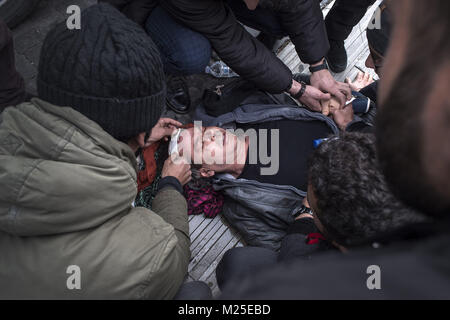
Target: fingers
340, 96
187, 177
360, 76
348, 81
334, 105
167, 131
326, 107
164, 122
314, 105
324, 96
319, 99
345, 88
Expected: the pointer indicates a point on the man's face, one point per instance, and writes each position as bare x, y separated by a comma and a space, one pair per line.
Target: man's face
213, 147
374, 61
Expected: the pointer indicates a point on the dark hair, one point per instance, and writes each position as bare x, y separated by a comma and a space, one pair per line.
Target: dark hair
354, 202
400, 132
198, 181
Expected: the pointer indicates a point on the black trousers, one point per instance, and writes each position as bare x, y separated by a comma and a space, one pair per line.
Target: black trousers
344, 16
12, 88
237, 263
195, 290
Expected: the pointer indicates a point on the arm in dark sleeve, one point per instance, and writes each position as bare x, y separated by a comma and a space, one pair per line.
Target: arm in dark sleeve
306, 28
235, 46
371, 91
294, 245
172, 182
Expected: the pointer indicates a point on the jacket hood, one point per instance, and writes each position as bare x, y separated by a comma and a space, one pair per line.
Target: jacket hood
60, 172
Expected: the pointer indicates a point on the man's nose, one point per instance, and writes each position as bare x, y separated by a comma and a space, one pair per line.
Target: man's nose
369, 62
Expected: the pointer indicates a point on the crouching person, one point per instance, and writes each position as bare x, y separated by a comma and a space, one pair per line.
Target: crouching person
68, 229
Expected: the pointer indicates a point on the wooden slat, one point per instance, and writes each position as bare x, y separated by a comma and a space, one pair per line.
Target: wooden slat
195, 223
205, 222
206, 233
209, 254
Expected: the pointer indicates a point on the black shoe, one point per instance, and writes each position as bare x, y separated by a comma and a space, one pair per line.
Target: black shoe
337, 56
178, 98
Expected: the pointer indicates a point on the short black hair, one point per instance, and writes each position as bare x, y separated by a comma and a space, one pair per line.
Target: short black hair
354, 202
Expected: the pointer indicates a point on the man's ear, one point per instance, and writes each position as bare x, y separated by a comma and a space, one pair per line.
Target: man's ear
207, 173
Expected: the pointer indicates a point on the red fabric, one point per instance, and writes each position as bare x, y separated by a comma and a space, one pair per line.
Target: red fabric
314, 238
205, 201
146, 176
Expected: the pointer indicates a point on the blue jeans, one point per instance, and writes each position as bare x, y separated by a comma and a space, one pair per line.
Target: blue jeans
185, 52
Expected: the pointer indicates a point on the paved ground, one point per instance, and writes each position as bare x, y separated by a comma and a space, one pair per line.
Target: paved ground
29, 35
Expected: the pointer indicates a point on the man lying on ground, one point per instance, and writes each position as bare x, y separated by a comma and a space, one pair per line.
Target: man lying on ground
262, 173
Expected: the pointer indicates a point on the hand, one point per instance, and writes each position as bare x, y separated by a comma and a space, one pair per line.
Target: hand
362, 80
343, 117
162, 130
313, 98
324, 81
177, 167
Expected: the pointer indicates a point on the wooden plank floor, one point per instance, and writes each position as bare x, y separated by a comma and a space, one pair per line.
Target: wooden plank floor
211, 238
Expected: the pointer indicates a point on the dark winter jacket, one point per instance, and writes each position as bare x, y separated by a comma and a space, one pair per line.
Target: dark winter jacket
66, 193
302, 241
243, 53
414, 263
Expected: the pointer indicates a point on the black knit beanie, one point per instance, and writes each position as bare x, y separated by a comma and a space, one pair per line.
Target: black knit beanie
109, 70
378, 38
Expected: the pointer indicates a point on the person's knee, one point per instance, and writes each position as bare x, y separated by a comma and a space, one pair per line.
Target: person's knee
195, 290
240, 261
183, 51
191, 57
232, 259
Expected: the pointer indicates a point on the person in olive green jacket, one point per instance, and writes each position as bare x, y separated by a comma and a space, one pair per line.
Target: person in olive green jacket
68, 227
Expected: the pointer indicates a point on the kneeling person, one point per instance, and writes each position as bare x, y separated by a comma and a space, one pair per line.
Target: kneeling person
68, 228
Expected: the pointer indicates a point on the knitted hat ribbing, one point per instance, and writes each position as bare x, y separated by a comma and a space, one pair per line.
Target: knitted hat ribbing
109, 70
